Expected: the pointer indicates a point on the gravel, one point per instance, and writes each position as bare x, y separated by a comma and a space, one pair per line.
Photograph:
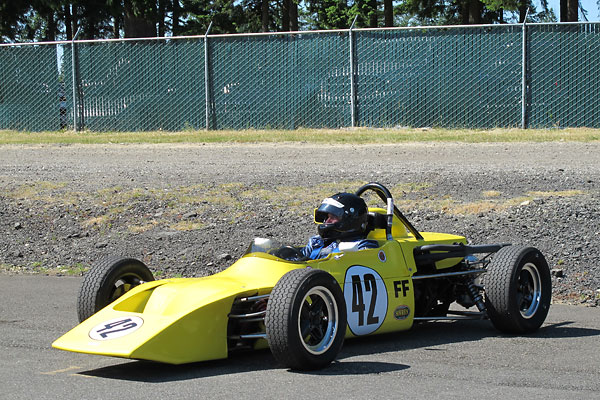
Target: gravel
191, 210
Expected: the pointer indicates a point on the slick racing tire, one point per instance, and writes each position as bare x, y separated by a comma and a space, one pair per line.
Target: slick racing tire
306, 319
518, 289
106, 281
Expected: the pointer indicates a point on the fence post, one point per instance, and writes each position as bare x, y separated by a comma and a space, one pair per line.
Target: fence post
352, 90
75, 75
524, 74
206, 77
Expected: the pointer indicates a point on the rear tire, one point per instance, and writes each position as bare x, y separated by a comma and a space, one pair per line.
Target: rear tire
518, 289
106, 281
306, 319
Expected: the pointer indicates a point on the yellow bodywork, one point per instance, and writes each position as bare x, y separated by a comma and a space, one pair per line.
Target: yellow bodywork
185, 320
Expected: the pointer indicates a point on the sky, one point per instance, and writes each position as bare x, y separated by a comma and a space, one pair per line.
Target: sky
589, 5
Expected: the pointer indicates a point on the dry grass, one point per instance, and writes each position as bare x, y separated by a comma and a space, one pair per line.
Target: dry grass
491, 193
39, 190
559, 193
344, 135
491, 202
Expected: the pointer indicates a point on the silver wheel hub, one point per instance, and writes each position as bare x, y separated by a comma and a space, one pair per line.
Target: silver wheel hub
318, 320
529, 290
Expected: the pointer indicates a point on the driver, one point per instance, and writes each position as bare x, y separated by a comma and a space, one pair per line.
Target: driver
342, 220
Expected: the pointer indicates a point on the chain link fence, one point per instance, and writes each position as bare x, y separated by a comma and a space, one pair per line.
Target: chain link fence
535, 75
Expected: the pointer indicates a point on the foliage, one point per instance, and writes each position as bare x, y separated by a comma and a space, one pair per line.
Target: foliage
44, 20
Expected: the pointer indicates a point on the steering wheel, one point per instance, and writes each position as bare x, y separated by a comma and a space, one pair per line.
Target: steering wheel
289, 253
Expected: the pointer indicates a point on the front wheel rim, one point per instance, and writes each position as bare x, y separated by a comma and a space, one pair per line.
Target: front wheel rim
529, 290
124, 284
318, 320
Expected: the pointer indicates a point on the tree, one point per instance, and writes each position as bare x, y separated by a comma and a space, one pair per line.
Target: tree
227, 16
139, 18
522, 7
366, 11
329, 14
37, 21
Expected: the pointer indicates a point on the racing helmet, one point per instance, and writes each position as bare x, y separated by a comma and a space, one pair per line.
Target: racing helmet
351, 211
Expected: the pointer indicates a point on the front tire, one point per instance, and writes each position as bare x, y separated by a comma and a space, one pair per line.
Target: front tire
518, 289
106, 281
306, 319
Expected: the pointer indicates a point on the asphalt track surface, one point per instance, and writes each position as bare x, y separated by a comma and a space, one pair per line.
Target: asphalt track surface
443, 360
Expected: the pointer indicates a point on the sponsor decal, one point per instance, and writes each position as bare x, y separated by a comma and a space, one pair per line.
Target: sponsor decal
116, 328
381, 255
366, 299
401, 312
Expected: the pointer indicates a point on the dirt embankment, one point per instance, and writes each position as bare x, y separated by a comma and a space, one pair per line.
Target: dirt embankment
191, 210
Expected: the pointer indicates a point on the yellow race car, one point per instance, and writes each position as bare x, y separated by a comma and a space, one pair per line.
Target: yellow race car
304, 309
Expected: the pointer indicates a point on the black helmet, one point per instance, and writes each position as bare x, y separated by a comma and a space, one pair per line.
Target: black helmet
350, 209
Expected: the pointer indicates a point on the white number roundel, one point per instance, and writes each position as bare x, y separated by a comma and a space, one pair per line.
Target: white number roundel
116, 328
366, 299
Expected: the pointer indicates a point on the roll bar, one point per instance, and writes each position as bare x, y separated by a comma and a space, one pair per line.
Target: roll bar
385, 195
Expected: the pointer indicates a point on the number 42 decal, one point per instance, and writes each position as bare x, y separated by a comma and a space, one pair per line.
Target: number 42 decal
366, 299
116, 328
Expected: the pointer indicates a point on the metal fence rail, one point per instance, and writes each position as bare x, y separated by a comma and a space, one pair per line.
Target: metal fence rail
535, 75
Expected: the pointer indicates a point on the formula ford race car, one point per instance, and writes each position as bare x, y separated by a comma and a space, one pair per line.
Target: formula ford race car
303, 310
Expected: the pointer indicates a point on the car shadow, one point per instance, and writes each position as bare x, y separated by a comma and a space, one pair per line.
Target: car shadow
428, 336
154, 372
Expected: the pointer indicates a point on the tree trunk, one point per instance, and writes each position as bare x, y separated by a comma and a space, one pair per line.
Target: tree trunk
74, 21
162, 10
285, 15
294, 15
137, 26
68, 22
265, 15
176, 14
50, 34
116, 27
388, 13
564, 11
475, 11
372, 13
464, 12
522, 13
573, 10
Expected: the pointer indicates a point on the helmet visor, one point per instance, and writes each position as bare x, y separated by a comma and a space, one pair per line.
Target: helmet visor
329, 206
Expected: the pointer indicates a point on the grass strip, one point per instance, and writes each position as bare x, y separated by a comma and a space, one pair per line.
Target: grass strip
328, 136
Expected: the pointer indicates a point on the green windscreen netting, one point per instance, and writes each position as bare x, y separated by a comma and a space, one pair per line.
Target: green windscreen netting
465, 77
453, 77
564, 76
30, 91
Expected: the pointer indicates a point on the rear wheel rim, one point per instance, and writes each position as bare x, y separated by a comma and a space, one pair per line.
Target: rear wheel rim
529, 290
318, 320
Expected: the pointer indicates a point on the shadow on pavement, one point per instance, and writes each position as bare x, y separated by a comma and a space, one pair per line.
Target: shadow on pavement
426, 336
